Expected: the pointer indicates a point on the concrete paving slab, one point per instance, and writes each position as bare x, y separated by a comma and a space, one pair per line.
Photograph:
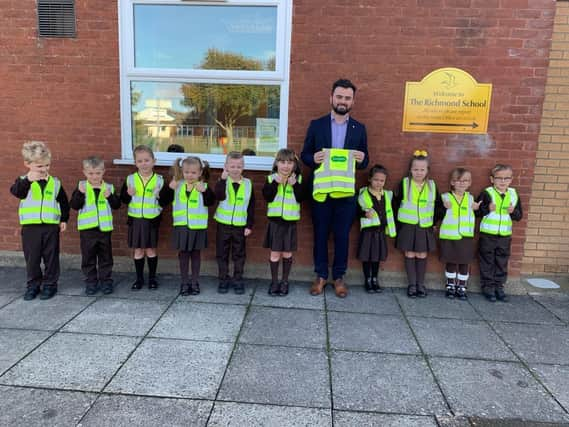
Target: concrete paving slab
556, 379
460, 338
250, 415
455, 421
495, 390
284, 326
16, 343
168, 289
208, 293
33, 407
557, 303
522, 309
385, 383
277, 375
72, 362
12, 280
435, 305
71, 283
7, 299
46, 315
174, 368
362, 419
298, 297
117, 410
359, 301
370, 332
537, 343
200, 321
118, 317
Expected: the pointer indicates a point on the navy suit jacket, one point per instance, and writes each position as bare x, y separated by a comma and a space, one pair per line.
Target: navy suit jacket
319, 136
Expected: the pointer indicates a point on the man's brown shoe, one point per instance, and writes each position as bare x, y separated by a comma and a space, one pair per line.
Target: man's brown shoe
340, 288
318, 286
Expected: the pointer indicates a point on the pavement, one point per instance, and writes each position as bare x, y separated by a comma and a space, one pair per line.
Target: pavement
154, 358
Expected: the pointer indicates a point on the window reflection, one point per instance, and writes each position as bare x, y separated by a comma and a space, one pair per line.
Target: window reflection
184, 36
206, 117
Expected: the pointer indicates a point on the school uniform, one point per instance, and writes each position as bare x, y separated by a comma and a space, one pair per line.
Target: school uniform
283, 211
95, 225
496, 237
43, 206
456, 236
235, 212
372, 244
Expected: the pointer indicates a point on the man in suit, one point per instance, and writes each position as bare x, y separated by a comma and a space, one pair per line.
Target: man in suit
335, 130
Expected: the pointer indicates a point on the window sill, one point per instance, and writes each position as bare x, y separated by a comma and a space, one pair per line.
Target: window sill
255, 163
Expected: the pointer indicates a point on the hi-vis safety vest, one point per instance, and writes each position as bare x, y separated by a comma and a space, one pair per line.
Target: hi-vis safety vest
366, 202
96, 211
144, 203
336, 176
233, 209
189, 211
284, 205
417, 207
41, 207
459, 219
499, 222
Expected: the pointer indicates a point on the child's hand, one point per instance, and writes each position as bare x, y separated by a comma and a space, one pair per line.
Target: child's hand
200, 186
278, 178
369, 213
107, 192
224, 174
511, 208
33, 176
247, 232
476, 205
492, 207
131, 191
173, 184
81, 187
62, 227
447, 204
292, 179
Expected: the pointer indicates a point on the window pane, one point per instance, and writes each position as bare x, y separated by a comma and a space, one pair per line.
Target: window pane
205, 37
206, 117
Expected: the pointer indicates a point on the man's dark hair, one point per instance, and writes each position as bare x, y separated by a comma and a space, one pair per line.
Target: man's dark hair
345, 83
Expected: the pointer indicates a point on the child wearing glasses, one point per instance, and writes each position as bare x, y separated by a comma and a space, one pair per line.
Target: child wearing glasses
499, 205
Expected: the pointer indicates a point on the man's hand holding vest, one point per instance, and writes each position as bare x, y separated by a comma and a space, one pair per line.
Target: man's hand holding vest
319, 157
359, 156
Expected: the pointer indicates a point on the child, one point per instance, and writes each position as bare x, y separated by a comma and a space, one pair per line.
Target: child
283, 191
376, 219
235, 217
457, 233
94, 199
191, 196
500, 205
141, 193
44, 212
419, 206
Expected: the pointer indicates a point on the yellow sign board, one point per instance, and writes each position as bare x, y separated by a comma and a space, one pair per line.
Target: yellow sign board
447, 100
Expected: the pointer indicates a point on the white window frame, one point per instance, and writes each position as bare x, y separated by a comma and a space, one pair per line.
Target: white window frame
128, 73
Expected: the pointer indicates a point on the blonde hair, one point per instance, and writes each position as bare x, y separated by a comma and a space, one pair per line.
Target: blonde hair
33, 151
501, 167
177, 167
93, 162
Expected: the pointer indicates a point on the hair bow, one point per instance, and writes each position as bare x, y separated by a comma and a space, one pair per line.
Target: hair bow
418, 153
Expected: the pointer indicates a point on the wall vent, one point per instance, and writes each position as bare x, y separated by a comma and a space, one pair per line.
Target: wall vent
56, 18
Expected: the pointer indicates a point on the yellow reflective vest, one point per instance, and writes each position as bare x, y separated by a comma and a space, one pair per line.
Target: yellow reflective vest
459, 218
284, 205
417, 207
96, 211
365, 201
41, 207
499, 222
336, 175
144, 203
189, 211
233, 209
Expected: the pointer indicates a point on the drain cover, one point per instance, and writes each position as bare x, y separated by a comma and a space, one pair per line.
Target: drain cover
542, 283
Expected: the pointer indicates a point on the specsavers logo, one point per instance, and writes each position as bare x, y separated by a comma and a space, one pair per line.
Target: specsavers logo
338, 158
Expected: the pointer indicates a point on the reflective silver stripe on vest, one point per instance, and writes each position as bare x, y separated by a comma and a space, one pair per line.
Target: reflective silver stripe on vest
453, 227
337, 183
189, 211
499, 222
96, 212
234, 212
144, 203
411, 212
284, 204
39, 207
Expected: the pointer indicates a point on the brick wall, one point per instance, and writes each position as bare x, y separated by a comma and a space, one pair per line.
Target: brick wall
546, 249
66, 92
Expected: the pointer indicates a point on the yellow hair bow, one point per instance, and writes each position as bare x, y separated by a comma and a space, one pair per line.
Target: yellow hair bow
418, 153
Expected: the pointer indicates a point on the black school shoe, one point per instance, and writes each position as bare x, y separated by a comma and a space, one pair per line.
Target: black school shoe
283, 288
195, 289
223, 286
461, 293
31, 293
377, 288
412, 291
489, 293
107, 288
274, 289
152, 283
450, 291
91, 289
239, 287
137, 286
368, 286
185, 289
421, 291
48, 292
501, 295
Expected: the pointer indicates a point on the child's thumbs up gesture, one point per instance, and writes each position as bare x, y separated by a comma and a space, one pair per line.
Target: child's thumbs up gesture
476, 205
492, 207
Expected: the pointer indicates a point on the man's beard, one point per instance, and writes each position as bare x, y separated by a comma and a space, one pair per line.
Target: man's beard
342, 110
